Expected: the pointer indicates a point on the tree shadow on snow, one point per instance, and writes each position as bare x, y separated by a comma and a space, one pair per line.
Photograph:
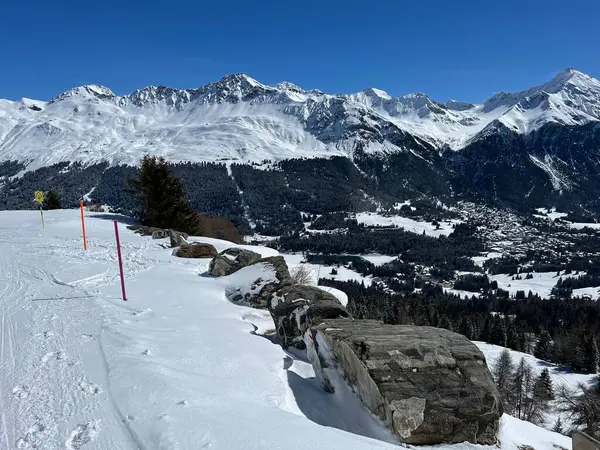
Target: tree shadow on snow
112, 217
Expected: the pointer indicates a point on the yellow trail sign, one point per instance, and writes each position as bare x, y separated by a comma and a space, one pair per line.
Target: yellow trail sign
39, 196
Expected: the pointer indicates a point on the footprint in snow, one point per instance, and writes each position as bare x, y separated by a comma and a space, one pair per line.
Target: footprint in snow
20, 391
87, 337
57, 355
82, 434
32, 439
89, 388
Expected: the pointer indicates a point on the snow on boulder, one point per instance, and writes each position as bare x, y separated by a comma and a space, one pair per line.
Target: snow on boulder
295, 308
178, 238
232, 260
429, 385
253, 285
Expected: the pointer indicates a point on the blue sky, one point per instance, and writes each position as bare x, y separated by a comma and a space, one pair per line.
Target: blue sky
460, 49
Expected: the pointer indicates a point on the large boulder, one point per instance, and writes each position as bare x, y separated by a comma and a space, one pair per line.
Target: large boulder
429, 385
232, 260
295, 308
178, 238
196, 250
253, 285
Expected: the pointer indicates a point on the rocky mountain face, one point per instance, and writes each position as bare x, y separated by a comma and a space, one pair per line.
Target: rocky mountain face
531, 148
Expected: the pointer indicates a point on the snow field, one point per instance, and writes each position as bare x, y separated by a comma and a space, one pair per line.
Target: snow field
175, 367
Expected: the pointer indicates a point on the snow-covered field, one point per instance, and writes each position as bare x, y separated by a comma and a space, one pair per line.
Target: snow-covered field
175, 367
541, 283
375, 219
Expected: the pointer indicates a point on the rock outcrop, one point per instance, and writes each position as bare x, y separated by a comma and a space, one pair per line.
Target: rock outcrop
429, 385
196, 250
232, 260
295, 308
254, 285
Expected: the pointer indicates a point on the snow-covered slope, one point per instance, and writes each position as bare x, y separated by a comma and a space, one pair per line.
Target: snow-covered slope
239, 118
177, 366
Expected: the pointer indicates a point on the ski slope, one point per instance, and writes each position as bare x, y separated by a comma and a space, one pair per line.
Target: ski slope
175, 367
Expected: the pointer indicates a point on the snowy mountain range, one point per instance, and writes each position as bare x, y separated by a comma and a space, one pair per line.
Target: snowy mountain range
239, 118
538, 147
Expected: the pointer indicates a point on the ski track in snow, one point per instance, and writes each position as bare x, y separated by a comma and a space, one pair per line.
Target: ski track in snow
177, 367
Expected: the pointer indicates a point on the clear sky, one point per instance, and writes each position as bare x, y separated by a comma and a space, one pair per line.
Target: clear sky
460, 49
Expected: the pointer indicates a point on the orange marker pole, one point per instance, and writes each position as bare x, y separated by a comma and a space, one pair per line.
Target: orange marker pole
83, 225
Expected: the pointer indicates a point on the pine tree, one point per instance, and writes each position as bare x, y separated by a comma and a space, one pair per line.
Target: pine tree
512, 337
444, 322
498, 333
543, 347
162, 197
544, 387
52, 200
590, 359
465, 327
543, 394
558, 426
502, 372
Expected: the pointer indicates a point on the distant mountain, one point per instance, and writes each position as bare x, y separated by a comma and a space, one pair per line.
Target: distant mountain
537, 145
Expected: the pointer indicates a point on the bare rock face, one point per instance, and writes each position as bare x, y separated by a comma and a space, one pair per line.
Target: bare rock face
295, 308
178, 238
196, 250
429, 385
232, 260
253, 285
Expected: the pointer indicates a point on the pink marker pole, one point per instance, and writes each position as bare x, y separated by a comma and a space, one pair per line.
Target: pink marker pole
120, 261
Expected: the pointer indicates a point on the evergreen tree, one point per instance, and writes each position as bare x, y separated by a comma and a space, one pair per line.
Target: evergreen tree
543, 347
512, 337
558, 426
590, 360
52, 200
544, 388
498, 332
487, 328
465, 327
162, 197
444, 322
578, 358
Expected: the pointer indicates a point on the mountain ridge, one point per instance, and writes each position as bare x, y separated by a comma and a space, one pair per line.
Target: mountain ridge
248, 120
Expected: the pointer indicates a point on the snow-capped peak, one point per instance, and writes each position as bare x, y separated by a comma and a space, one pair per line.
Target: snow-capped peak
86, 91
373, 92
287, 86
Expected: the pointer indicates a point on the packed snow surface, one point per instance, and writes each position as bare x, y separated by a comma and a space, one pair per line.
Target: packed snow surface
177, 366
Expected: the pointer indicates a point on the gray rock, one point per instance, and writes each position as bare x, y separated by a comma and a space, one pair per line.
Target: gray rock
196, 250
430, 385
145, 231
295, 308
274, 275
160, 233
232, 260
178, 238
